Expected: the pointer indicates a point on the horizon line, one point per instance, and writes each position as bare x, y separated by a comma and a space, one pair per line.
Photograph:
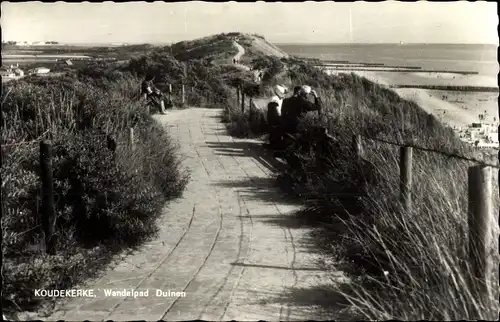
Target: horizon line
275, 43
383, 43
297, 43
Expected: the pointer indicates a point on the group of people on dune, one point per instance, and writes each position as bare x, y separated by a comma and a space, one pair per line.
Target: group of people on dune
284, 113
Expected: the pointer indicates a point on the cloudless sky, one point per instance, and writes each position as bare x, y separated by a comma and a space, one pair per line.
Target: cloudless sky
306, 22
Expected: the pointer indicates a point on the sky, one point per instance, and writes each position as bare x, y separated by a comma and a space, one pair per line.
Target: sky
300, 22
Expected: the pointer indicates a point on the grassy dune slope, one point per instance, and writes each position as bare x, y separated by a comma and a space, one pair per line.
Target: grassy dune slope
406, 265
267, 48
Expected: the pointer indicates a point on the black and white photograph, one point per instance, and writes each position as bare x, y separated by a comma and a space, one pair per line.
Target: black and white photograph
250, 161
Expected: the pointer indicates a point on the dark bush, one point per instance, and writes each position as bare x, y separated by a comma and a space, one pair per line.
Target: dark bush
104, 201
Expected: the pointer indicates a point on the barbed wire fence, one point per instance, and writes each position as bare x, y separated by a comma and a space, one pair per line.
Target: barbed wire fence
483, 244
444, 153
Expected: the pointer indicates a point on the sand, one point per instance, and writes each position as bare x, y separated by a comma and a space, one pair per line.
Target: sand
448, 76
423, 78
454, 79
447, 112
451, 107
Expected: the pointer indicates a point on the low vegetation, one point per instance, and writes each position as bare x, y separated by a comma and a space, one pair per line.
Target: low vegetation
105, 202
407, 265
404, 265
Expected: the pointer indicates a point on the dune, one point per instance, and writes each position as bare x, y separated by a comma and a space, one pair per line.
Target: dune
267, 48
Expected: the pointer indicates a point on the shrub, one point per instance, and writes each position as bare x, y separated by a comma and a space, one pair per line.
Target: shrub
104, 201
204, 82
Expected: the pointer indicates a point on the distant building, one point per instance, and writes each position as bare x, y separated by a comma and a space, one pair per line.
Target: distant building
480, 135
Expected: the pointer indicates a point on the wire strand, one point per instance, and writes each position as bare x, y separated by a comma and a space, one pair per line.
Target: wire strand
448, 154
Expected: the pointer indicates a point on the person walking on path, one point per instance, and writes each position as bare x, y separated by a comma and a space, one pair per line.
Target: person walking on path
296, 107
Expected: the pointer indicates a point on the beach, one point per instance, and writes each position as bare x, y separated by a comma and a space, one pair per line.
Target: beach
462, 77
455, 108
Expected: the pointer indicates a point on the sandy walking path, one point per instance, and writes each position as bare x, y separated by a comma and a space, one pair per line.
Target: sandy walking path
237, 57
230, 243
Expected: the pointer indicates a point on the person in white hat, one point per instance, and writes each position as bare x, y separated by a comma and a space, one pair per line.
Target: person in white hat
274, 115
280, 92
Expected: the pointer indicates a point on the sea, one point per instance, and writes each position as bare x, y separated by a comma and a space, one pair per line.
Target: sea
450, 57
440, 65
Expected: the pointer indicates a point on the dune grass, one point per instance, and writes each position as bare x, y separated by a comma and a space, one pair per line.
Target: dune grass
403, 265
105, 202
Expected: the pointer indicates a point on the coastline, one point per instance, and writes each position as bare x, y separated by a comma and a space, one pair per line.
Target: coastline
449, 106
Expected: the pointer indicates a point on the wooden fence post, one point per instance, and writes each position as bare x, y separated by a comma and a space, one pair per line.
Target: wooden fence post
357, 146
238, 94
321, 147
330, 126
405, 167
242, 101
48, 212
183, 95
481, 222
170, 92
131, 138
